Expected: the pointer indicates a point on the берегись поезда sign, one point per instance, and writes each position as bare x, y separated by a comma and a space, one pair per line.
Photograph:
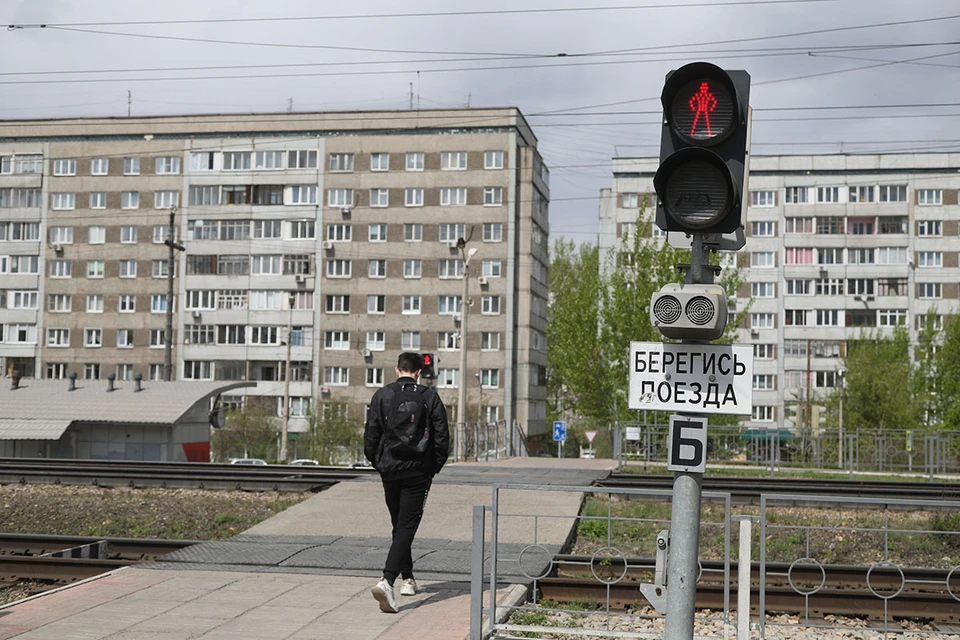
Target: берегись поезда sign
696, 378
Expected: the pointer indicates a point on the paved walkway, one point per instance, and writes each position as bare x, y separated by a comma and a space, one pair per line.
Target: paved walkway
306, 573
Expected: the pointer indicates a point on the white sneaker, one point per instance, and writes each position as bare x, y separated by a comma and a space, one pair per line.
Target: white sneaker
383, 593
408, 587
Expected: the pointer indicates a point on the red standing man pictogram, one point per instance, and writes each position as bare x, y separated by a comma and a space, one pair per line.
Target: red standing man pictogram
702, 102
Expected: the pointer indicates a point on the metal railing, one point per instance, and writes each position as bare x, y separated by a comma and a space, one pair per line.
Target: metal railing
486, 441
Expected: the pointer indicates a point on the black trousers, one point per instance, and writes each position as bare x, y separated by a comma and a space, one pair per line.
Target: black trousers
405, 499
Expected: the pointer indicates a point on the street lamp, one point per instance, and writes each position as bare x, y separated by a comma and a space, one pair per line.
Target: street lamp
286, 383
840, 375
462, 388
480, 398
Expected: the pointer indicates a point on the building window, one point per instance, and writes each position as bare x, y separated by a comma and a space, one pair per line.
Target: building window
64, 201
98, 200
158, 303
764, 382
339, 232
339, 268
302, 159
451, 232
379, 162
410, 340
415, 161
336, 340
795, 195
377, 233
303, 194
61, 235
125, 372
268, 160
799, 287
797, 225
95, 303
336, 376
264, 265
493, 232
892, 317
99, 166
124, 338
891, 255
203, 161
128, 268
828, 194
893, 193
490, 305
490, 378
410, 304
128, 234
374, 377
65, 167
130, 200
340, 197
828, 318
157, 339
131, 166
165, 199
197, 370
861, 193
56, 370
236, 160
762, 259
830, 287
453, 196
762, 289
764, 413
762, 229
341, 162
629, 200
168, 165
126, 303
796, 317
412, 268
761, 321
831, 225
62, 268
892, 225
91, 371
493, 159
453, 160
798, 255
302, 229
448, 378
448, 305
763, 199
375, 341
448, 340
930, 228
337, 304
56, 302
413, 197
58, 337
861, 256
492, 196
492, 268
490, 341
450, 268
861, 227
930, 290
764, 351
413, 232
376, 304
379, 198
830, 256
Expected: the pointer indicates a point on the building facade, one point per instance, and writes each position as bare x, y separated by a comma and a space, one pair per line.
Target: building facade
338, 230
835, 244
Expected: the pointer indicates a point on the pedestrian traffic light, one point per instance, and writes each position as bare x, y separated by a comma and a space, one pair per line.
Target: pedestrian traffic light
703, 149
690, 311
426, 371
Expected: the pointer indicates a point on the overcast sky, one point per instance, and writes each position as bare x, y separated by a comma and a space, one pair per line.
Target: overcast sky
800, 54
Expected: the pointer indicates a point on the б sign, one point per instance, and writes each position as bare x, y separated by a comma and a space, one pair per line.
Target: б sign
695, 378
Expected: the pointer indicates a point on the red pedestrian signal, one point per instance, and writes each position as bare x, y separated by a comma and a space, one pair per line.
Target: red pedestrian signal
427, 371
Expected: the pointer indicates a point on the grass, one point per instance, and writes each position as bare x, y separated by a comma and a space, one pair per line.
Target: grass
789, 472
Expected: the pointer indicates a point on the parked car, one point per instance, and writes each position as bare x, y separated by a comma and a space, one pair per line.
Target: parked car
256, 461
306, 462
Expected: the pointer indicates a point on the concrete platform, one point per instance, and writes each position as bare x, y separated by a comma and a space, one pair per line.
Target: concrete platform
307, 572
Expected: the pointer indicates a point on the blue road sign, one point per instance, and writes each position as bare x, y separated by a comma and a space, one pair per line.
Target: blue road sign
559, 430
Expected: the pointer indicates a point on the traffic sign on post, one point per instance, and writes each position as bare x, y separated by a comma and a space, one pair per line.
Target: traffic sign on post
688, 444
559, 430
590, 435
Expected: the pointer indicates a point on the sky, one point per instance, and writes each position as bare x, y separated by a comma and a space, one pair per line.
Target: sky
827, 76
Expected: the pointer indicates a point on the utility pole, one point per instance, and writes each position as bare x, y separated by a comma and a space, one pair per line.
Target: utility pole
286, 384
462, 386
129, 100
172, 248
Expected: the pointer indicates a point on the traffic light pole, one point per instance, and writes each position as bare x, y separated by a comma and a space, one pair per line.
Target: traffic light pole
683, 567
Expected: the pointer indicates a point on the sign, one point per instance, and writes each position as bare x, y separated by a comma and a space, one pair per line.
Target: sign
590, 436
687, 442
633, 433
559, 431
696, 378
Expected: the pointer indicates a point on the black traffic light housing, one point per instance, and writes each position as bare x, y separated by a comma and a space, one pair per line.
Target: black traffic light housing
703, 149
427, 372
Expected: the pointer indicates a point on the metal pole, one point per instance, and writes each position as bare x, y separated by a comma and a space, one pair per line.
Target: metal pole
286, 385
840, 439
743, 580
476, 574
172, 247
458, 445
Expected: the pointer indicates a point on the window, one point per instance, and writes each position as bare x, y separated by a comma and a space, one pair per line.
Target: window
861, 227
336, 340
98, 200
91, 371
64, 201
302, 229
267, 194
377, 233
453, 196
61, 235
448, 305
413, 197
764, 413
492, 196
764, 381
828, 317
415, 161
930, 290
859, 287
56, 370
297, 264
861, 193
930, 228
412, 268
892, 317
236, 160
763, 199
265, 335
336, 376
379, 162
929, 196
125, 372
761, 321
448, 378
158, 339
798, 225
128, 234
762, 289
828, 194
892, 225
762, 259
629, 200
56, 302
95, 303
796, 317
490, 341
99, 166
337, 304
490, 305
341, 162
130, 200
799, 287
197, 370
493, 232
340, 197
830, 225
267, 229
893, 193
892, 287
450, 268
302, 159
338, 268
450, 232
798, 255
491, 268
764, 351
168, 165
376, 304
377, 268
131, 166
158, 303
763, 229
410, 304
412, 232
453, 160
203, 161
861, 256
830, 256
379, 198
795, 195
128, 268
303, 194
198, 300
124, 338
930, 259
490, 378
375, 340
374, 377
62, 268
493, 159
262, 265
339, 232
448, 340
65, 167
829, 287
126, 303
268, 160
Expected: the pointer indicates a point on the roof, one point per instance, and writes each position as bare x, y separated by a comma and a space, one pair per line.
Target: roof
39, 408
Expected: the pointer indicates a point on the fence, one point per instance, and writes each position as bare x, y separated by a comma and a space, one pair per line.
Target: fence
483, 441
928, 452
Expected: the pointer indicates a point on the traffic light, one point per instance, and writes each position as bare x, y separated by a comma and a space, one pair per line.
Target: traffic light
690, 311
427, 372
703, 149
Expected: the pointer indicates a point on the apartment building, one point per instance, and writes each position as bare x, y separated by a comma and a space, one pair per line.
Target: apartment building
835, 244
328, 238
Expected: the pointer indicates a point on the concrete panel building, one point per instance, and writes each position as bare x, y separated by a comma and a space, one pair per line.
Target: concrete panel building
835, 244
333, 234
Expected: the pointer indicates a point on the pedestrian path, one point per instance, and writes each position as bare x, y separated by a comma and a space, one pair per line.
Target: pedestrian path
306, 573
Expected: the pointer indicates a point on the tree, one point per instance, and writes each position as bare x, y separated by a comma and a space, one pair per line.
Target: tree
877, 393
332, 437
947, 376
250, 432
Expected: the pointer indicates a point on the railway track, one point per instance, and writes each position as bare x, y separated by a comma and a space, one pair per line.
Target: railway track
838, 589
181, 475
748, 490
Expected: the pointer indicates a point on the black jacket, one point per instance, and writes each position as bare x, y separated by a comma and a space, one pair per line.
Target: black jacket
377, 448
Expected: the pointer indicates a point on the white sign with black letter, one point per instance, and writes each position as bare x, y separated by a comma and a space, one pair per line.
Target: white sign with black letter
688, 444
699, 378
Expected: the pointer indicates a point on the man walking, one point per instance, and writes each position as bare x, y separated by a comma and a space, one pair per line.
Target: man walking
407, 440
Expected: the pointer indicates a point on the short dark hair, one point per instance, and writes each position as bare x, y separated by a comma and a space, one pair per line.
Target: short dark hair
409, 362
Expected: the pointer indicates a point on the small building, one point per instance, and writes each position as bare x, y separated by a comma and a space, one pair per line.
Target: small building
107, 420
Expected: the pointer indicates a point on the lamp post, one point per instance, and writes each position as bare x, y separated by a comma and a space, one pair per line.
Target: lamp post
840, 375
462, 383
286, 384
